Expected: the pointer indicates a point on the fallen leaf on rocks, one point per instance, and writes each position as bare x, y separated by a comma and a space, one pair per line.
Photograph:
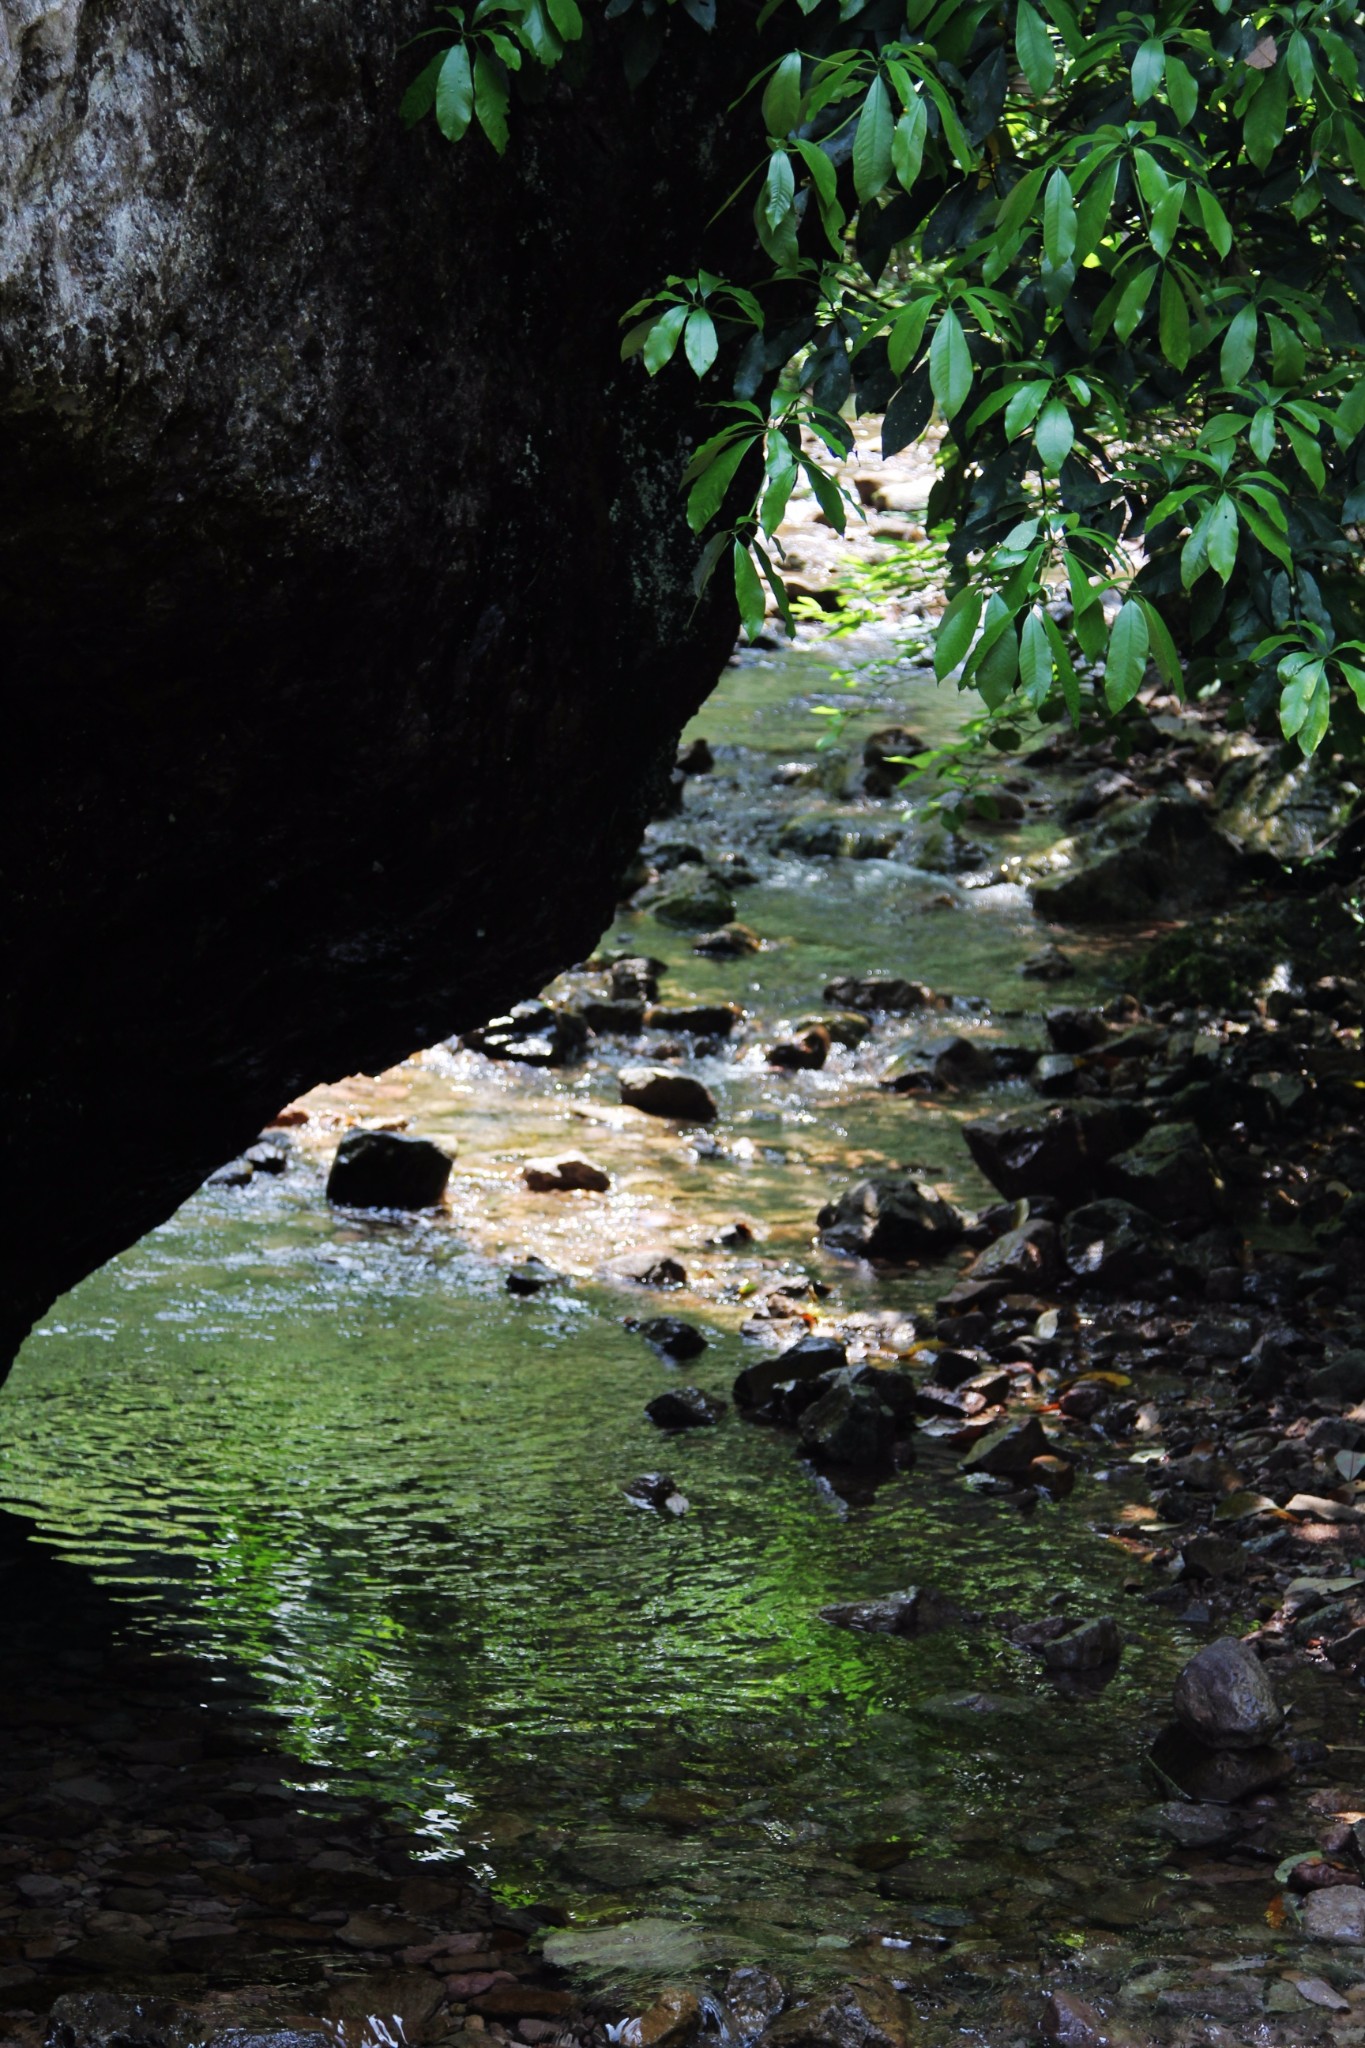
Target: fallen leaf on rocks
1319, 1992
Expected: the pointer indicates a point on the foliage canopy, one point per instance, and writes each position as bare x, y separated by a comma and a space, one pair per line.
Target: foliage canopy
1120, 253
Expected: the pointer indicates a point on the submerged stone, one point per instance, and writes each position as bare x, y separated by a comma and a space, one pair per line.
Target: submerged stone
892, 1218
663, 1091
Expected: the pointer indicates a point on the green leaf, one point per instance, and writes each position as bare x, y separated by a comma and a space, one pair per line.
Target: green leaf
872, 142
956, 631
1174, 326
1222, 537
1269, 535
699, 340
782, 476
1305, 703
1263, 128
1194, 556
663, 338
907, 143
950, 365
995, 662
1033, 47
1298, 58
1262, 434
1093, 210
1308, 455
1287, 359
490, 99
1163, 648
1152, 180
1126, 662
748, 592
782, 101
1148, 67
1350, 419
1166, 218
420, 97
1024, 404
455, 93
1035, 660
1066, 673
902, 345
566, 18
1054, 435
1217, 226
707, 493
779, 190
827, 494
1133, 301
1059, 220
1238, 352
1181, 91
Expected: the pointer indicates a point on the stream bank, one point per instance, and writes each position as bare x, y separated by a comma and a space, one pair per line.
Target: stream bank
332, 1449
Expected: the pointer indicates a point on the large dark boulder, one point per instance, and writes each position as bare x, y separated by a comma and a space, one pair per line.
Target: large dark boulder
388, 1170
345, 590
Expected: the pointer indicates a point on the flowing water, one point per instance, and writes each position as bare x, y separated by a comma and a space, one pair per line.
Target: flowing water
336, 1451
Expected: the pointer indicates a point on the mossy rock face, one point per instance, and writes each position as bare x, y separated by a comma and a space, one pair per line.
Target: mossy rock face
1223, 963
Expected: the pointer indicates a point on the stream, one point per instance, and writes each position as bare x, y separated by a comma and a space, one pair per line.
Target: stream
334, 1450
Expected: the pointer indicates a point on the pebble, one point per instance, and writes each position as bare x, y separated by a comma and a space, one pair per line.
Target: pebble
566, 1172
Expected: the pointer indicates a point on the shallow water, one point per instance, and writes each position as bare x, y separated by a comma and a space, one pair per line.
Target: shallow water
334, 1449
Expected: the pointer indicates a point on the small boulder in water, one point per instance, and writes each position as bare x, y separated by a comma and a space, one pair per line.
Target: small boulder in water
849, 1426
727, 942
1224, 1696
891, 1217
388, 1170
684, 1408
911, 1613
863, 2015
663, 1091
564, 1174
656, 1491
1089, 1646
810, 1050
670, 1336
532, 1276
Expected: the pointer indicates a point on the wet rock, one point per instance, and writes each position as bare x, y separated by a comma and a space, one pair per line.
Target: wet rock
882, 992
116, 2019
1342, 1378
1094, 793
1169, 1173
853, 2016
1050, 964
728, 942
1086, 1647
670, 1336
1076, 1030
659, 1493
1224, 1696
849, 1426
1053, 1475
1071, 2022
695, 906
1337, 1914
1009, 1449
1020, 1261
614, 1019
710, 1020
635, 978
911, 1613
1060, 1150
803, 1362
387, 1170
882, 771
841, 1027
1056, 1076
891, 1218
809, 1051
672, 2021
1171, 857
684, 1408
235, 1173
662, 1091
532, 1276
535, 1034
1212, 1557
1113, 1245
1218, 1776
567, 1172
753, 1998
650, 1269
1193, 1827
278, 2037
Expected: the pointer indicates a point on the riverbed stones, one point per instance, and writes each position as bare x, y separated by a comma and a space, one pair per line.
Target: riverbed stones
728, 942
1069, 2021
535, 1034
1059, 1150
683, 1408
916, 1611
670, 1336
1223, 1695
1020, 1261
753, 1998
889, 993
849, 1426
1335, 1914
698, 905
891, 1217
1112, 1245
1218, 1777
672, 2021
567, 1172
1170, 1174
665, 1092
855, 2015
1089, 1646
388, 1170
809, 1359
1008, 1450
